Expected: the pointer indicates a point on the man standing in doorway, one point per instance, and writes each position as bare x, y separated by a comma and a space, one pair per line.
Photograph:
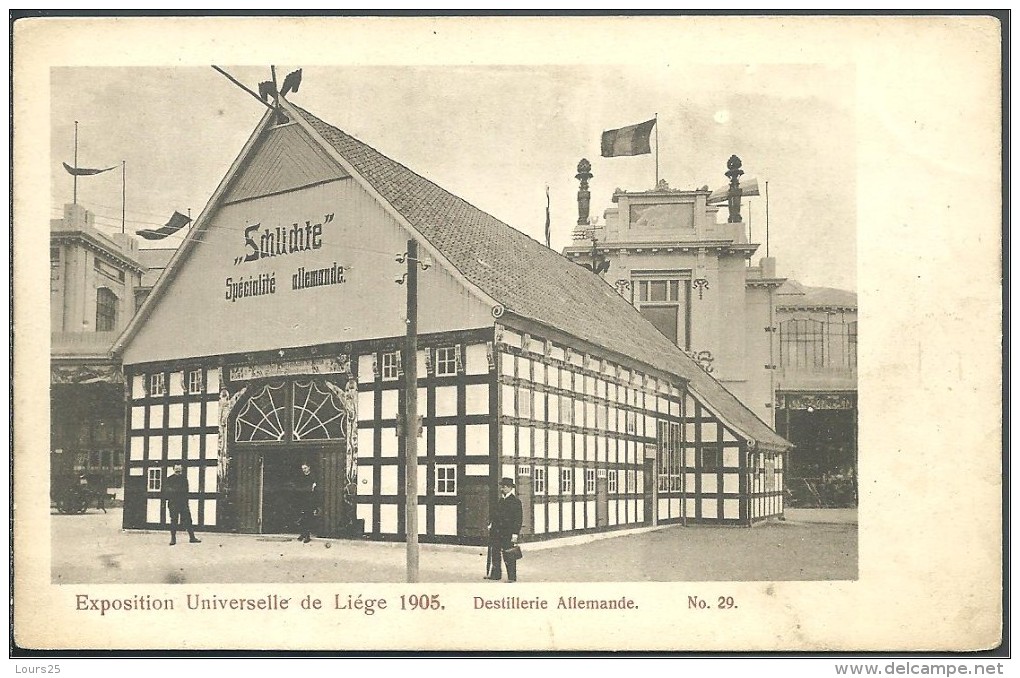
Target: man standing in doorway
175, 491
308, 507
504, 530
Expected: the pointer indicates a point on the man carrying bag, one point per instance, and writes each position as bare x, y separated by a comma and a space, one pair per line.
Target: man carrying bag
504, 531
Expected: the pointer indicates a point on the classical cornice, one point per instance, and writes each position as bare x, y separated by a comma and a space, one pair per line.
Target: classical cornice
91, 242
667, 247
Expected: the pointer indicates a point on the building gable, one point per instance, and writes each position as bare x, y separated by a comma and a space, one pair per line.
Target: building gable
285, 160
270, 269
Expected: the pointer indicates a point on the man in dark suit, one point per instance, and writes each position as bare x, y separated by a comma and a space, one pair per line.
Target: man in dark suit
175, 491
308, 506
504, 531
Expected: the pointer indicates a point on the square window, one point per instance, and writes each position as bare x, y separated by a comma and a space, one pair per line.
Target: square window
538, 480
157, 384
155, 479
566, 480
195, 384
446, 480
446, 361
391, 365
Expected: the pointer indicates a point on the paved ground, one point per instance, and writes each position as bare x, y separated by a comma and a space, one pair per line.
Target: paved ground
812, 544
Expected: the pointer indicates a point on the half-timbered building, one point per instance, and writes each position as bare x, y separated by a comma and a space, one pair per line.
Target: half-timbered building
274, 338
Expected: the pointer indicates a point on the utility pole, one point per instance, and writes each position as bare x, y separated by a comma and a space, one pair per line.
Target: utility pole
410, 419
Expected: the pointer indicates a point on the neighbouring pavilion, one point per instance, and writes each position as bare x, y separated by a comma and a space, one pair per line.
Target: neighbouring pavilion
274, 337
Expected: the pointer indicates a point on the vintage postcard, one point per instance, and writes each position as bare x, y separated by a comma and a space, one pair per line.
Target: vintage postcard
355, 321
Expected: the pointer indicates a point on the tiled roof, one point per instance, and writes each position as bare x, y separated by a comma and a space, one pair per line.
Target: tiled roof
529, 279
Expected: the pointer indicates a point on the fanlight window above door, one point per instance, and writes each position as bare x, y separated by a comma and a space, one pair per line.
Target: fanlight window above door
318, 414
263, 416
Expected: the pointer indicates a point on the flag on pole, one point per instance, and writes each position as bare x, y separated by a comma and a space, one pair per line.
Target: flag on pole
722, 194
84, 171
548, 229
632, 140
176, 223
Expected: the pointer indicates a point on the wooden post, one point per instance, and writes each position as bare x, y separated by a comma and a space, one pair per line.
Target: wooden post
410, 419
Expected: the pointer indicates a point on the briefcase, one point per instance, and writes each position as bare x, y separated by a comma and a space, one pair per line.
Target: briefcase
513, 553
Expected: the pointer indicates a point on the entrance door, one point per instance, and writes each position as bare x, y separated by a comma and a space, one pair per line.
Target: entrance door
248, 468
602, 501
473, 510
525, 494
650, 506
134, 501
280, 501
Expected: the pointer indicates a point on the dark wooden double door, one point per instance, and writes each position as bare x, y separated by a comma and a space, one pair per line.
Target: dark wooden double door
267, 496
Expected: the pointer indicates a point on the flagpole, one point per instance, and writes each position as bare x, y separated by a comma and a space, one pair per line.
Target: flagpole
656, 150
75, 162
548, 233
123, 194
766, 218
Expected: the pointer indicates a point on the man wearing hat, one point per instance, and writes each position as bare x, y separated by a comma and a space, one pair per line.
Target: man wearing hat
504, 530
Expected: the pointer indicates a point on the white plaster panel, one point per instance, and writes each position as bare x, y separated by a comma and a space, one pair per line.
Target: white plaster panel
476, 469
506, 400
709, 433
138, 386
212, 450
212, 381
709, 508
365, 375
476, 398
446, 401
156, 416
210, 479
388, 442
155, 447
476, 439
476, 360
366, 405
731, 457
152, 507
663, 509
731, 508
524, 442
506, 364
554, 516
366, 442
177, 384
509, 448
174, 447
423, 480
731, 482
137, 450
674, 507
388, 480
210, 513
446, 520
539, 526
388, 518
389, 403
175, 415
193, 475
365, 514
195, 415
366, 480
709, 483
539, 447
508, 471
446, 440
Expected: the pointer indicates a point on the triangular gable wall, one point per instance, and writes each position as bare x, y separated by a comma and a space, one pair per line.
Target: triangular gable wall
283, 267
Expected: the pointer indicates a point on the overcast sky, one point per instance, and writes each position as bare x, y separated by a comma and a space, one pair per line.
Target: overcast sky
494, 135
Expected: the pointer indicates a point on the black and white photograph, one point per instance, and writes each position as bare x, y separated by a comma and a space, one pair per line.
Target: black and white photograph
348, 340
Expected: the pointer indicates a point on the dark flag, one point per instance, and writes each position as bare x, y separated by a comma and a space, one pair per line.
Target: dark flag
548, 231
632, 140
176, 223
84, 171
267, 90
291, 83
